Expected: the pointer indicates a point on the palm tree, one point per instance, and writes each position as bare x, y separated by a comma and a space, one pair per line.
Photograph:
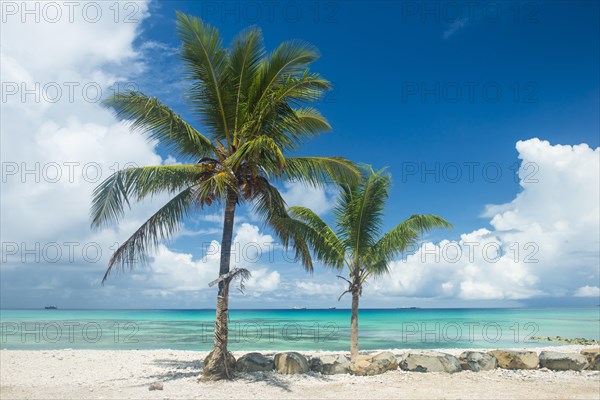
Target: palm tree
252, 109
357, 243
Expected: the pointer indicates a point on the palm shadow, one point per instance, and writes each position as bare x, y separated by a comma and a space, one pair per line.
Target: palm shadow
177, 369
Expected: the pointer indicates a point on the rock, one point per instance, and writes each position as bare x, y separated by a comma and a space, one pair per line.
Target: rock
510, 359
155, 386
429, 361
593, 358
477, 361
290, 363
230, 358
330, 364
254, 362
563, 361
364, 365
581, 341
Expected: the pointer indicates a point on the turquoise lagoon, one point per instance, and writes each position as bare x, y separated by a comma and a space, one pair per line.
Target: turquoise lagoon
294, 329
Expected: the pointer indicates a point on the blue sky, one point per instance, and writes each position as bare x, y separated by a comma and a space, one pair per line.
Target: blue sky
376, 62
443, 89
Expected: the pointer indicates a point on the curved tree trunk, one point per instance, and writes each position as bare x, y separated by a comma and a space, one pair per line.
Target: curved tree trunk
354, 325
218, 366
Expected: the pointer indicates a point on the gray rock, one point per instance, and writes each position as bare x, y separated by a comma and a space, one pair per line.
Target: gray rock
290, 363
593, 358
155, 386
254, 362
230, 358
430, 361
563, 361
510, 359
367, 365
330, 364
477, 361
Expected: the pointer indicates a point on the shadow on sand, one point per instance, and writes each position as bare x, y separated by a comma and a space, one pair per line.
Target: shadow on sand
177, 369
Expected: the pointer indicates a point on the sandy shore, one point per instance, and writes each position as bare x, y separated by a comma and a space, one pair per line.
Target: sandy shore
105, 374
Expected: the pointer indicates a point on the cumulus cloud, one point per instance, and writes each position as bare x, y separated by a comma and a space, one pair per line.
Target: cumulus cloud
172, 271
545, 242
588, 291
58, 142
318, 199
262, 280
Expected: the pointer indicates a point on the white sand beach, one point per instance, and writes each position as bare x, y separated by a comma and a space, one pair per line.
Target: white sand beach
108, 374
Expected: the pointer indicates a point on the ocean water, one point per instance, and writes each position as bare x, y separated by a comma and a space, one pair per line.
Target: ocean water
294, 329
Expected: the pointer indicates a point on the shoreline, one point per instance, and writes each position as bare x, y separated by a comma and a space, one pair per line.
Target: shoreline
108, 374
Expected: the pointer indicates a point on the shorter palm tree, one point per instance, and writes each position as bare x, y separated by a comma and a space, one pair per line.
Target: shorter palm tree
356, 244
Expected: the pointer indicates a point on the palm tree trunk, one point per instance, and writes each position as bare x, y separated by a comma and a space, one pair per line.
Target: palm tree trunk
218, 365
354, 325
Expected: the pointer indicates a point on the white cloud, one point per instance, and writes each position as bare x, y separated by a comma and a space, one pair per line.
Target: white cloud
56, 149
588, 291
58, 143
333, 290
174, 271
179, 271
455, 27
318, 199
262, 280
544, 242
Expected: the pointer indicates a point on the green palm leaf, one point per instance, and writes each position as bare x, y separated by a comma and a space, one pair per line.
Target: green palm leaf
160, 226
151, 117
111, 196
207, 63
320, 171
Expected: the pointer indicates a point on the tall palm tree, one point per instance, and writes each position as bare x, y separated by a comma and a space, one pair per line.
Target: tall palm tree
252, 109
357, 244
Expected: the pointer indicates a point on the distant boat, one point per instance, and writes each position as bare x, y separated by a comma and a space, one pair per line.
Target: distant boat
298, 308
50, 308
331, 308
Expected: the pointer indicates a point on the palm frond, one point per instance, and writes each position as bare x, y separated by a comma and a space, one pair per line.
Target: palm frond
290, 128
364, 216
246, 56
215, 188
160, 226
290, 58
309, 87
261, 150
207, 63
320, 171
159, 122
270, 205
111, 196
323, 241
399, 239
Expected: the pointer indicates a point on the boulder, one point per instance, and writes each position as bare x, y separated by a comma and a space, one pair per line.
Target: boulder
230, 358
367, 365
477, 361
290, 363
155, 386
593, 358
330, 364
429, 361
254, 362
510, 359
563, 361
